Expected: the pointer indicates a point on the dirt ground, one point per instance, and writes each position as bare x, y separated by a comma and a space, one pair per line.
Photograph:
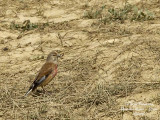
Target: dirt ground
108, 72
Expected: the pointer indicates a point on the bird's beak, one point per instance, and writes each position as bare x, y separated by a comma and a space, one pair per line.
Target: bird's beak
60, 55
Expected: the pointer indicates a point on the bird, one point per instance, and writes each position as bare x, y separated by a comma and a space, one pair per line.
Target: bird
46, 73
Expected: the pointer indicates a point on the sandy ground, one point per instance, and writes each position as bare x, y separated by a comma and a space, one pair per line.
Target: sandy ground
108, 72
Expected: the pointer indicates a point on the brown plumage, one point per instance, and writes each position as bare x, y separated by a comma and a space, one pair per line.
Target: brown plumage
46, 73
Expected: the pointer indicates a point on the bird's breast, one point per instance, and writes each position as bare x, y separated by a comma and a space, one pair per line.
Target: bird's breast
55, 71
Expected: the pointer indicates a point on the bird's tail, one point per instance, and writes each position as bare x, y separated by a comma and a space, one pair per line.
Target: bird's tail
32, 88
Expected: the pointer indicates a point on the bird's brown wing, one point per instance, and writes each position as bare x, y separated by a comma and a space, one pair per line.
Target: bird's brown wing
44, 72
46, 69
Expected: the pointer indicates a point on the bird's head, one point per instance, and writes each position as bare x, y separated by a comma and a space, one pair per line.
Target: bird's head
53, 56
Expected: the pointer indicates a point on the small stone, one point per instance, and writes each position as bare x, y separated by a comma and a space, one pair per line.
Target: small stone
2, 41
5, 49
41, 57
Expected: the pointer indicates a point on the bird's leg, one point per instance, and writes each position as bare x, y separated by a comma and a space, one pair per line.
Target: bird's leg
46, 92
43, 89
